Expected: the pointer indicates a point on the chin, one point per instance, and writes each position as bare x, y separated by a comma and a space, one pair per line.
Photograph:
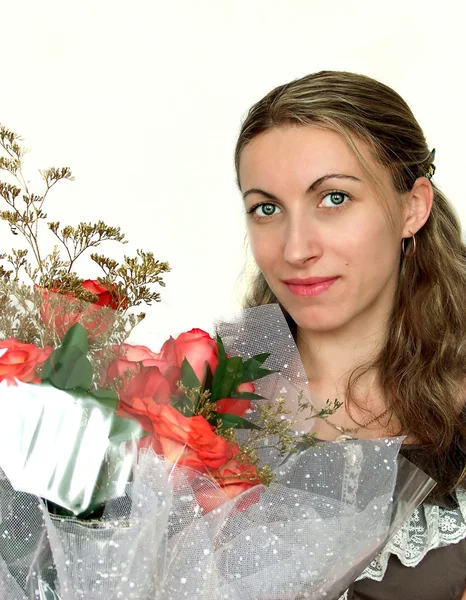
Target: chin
319, 321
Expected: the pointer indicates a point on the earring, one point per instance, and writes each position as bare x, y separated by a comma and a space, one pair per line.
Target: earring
403, 247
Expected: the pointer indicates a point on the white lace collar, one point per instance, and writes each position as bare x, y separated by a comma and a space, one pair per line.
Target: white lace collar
428, 528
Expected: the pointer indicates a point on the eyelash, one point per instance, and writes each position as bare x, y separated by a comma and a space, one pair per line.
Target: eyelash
342, 206
253, 208
338, 206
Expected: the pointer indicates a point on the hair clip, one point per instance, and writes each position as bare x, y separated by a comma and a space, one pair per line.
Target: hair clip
431, 168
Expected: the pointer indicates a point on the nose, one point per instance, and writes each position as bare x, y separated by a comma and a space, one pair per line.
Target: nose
302, 242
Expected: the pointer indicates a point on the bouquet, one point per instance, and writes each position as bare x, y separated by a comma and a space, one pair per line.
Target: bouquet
184, 473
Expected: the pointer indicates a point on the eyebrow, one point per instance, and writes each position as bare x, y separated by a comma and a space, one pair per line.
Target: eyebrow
311, 188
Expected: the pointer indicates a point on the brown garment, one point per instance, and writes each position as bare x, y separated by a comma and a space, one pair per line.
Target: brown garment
441, 574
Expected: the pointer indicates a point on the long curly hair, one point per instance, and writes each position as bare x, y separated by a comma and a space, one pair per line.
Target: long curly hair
422, 367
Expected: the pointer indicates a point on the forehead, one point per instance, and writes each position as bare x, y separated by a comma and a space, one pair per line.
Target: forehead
295, 155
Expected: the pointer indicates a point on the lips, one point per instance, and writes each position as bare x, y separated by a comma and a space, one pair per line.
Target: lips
312, 286
309, 280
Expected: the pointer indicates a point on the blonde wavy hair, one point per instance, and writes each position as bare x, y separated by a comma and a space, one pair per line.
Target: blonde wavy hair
422, 367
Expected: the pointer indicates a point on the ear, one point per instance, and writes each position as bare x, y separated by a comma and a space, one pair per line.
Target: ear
417, 206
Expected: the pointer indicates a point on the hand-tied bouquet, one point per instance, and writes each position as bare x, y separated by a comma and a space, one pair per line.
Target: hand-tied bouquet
126, 473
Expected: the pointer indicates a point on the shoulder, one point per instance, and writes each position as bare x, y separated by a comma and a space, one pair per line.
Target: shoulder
431, 543
447, 468
424, 580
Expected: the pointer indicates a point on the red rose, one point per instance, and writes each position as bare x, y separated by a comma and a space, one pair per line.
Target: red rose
146, 379
62, 311
105, 296
149, 386
233, 478
197, 347
20, 361
130, 362
137, 354
234, 406
188, 441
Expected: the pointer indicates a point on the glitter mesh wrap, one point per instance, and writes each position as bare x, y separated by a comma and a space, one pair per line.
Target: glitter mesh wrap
308, 535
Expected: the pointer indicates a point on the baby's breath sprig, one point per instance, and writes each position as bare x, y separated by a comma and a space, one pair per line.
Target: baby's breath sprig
278, 431
131, 282
132, 279
25, 210
17, 320
76, 240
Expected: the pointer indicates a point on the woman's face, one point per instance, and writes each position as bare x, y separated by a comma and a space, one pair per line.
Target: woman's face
318, 232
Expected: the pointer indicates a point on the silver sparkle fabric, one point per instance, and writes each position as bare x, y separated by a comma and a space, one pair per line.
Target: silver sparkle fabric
170, 533
307, 536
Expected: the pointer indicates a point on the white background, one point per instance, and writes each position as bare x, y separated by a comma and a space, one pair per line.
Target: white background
144, 99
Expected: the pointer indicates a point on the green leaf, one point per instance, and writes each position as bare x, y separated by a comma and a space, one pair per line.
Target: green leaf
106, 397
76, 336
222, 355
232, 372
124, 430
209, 378
246, 396
228, 376
260, 358
188, 377
228, 421
184, 409
253, 369
182, 405
67, 368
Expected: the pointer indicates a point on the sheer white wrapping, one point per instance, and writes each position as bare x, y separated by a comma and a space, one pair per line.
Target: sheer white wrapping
307, 535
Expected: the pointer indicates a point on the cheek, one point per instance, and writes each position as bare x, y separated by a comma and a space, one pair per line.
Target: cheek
372, 250
265, 248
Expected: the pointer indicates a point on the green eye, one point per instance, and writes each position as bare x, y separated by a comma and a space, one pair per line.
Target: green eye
266, 209
335, 199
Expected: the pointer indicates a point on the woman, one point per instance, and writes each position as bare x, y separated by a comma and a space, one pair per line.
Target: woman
364, 254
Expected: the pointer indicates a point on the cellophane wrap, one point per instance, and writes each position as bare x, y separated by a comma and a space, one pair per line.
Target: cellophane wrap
308, 535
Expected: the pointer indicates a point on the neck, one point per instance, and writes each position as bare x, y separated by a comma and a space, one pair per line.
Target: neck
330, 357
